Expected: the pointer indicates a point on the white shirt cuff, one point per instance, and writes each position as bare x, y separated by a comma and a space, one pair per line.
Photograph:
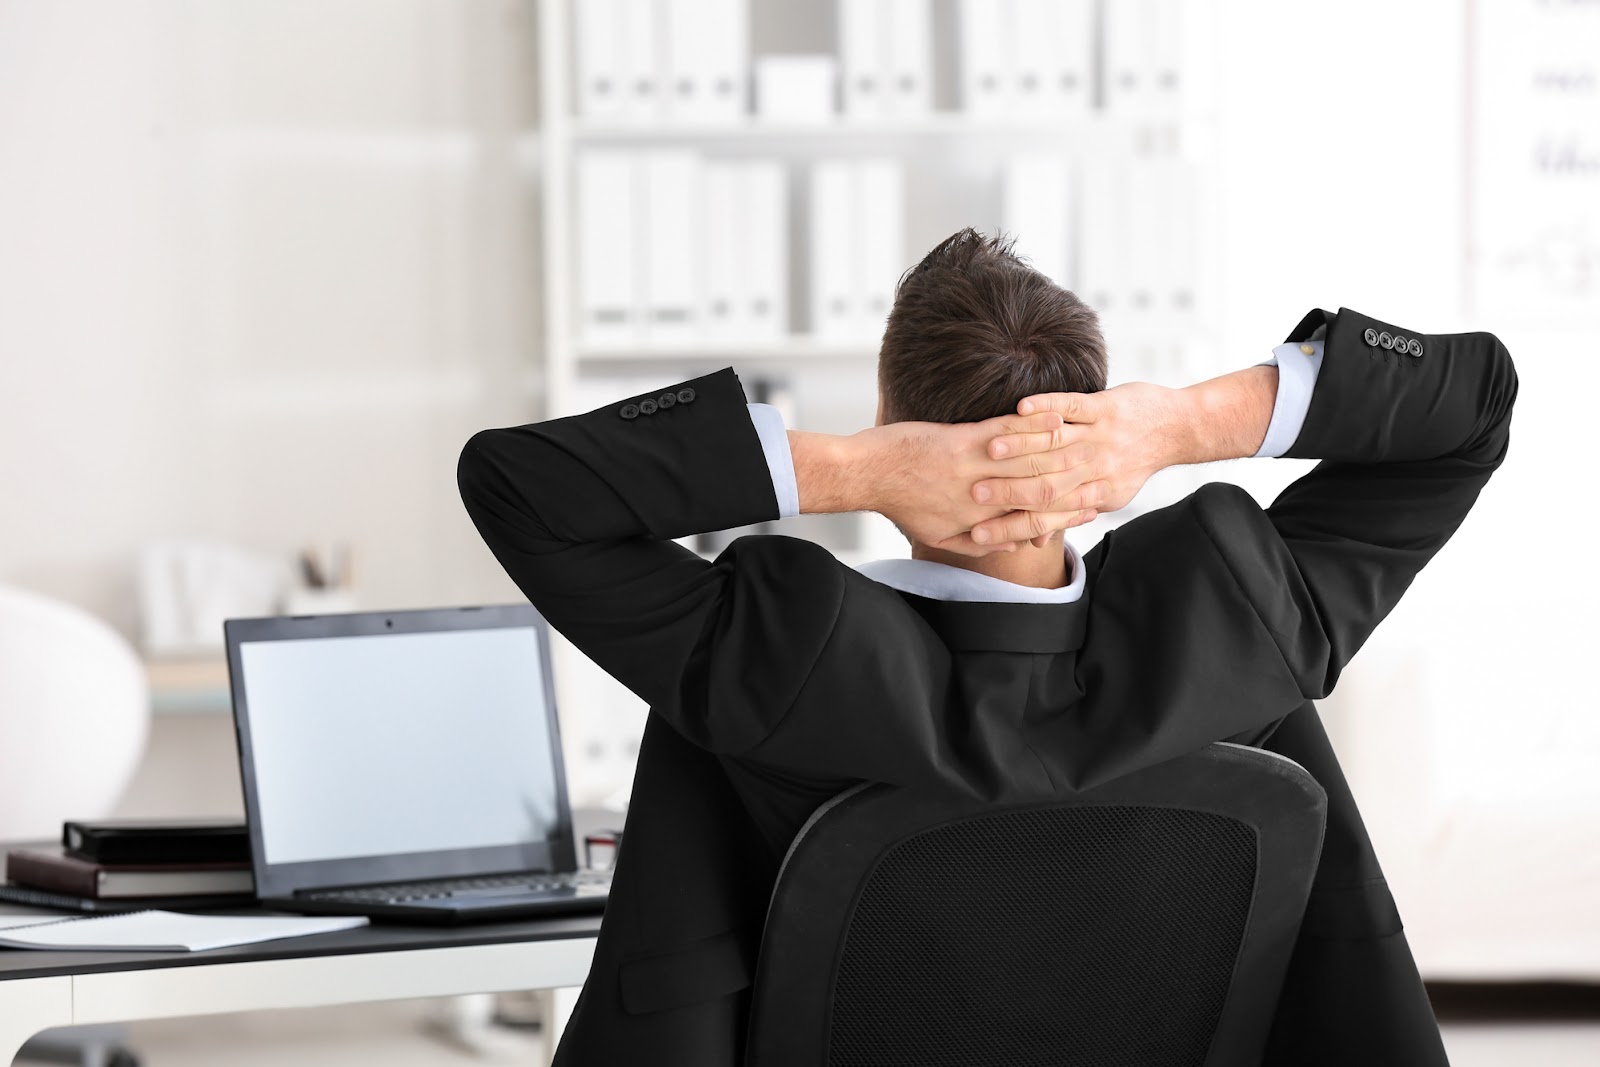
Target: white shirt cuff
1297, 377
768, 422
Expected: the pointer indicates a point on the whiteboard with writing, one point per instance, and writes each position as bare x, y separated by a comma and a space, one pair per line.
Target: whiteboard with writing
1534, 71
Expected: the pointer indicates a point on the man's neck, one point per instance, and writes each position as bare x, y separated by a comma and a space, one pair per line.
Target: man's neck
1040, 568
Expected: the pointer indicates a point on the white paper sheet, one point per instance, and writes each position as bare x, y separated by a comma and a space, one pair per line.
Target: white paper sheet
166, 931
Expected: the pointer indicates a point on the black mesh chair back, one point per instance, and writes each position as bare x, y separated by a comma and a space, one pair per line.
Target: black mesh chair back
1147, 922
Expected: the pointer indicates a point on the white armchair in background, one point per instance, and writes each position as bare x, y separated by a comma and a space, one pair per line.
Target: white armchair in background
74, 717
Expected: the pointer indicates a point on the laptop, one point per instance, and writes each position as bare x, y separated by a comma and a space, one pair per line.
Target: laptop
405, 765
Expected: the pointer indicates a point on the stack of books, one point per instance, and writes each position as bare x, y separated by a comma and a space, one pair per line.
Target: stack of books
133, 866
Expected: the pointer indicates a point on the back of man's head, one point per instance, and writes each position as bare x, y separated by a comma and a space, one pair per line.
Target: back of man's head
974, 329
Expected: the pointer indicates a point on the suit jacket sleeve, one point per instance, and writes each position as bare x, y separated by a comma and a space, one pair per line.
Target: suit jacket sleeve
1213, 619
581, 512
1406, 443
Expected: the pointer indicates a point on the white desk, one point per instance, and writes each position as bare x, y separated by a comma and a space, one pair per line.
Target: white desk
39, 990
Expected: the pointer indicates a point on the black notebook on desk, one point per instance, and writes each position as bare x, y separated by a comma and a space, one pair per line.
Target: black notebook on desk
156, 841
44, 898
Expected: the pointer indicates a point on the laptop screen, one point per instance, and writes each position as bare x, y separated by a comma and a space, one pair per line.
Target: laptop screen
401, 753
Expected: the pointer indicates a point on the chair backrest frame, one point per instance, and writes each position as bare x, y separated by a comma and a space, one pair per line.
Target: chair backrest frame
833, 856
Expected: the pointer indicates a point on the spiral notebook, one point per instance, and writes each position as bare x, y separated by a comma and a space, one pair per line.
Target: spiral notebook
162, 931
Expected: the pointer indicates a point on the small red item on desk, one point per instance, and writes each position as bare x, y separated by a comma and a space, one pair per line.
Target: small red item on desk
611, 839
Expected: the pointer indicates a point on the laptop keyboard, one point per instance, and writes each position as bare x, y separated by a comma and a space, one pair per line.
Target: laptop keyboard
492, 885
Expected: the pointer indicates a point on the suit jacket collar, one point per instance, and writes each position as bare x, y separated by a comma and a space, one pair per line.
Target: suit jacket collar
940, 581
974, 612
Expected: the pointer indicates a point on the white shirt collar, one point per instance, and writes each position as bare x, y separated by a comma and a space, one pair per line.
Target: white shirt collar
941, 581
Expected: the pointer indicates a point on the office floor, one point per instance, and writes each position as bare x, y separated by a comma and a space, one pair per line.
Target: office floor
1554, 1030
1502, 1026
396, 1034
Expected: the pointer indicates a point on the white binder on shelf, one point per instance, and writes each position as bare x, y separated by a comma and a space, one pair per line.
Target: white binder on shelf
1034, 197
728, 58
863, 48
763, 314
670, 188
1035, 40
1101, 265
986, 31
1126, 26
1167, 76
835, 300
907, 58
685, 57
1055, 38
706, 58
726, 219
641, 34
607, 246
602, 76
880, 210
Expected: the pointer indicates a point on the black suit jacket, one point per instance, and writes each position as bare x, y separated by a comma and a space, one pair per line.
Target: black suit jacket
777, 676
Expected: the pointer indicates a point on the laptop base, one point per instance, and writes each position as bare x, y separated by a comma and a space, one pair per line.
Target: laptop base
579, 900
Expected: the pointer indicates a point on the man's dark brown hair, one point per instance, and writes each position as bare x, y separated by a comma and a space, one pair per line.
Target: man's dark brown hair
974, 329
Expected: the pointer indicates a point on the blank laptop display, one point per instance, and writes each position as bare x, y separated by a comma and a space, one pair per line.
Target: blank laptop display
412, 749
393, 743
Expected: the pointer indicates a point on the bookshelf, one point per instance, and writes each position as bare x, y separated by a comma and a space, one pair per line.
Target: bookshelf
952, 160
954, 170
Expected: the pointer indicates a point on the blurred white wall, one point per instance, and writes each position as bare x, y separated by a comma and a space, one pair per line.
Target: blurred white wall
264, 267
1343, 150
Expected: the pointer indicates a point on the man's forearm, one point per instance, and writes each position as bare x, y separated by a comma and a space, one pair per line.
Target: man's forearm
828, 473
1225, 417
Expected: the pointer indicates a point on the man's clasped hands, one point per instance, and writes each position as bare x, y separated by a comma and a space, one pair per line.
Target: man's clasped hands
1014, 480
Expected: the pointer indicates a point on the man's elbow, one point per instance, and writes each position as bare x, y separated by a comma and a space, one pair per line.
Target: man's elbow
478, 474
1501, 394
497, 487
469, 466
1506, 372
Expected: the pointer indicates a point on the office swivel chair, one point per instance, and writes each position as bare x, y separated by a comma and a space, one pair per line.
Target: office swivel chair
1148, 921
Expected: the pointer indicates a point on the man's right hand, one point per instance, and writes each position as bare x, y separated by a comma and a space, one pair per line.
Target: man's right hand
1112, 443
